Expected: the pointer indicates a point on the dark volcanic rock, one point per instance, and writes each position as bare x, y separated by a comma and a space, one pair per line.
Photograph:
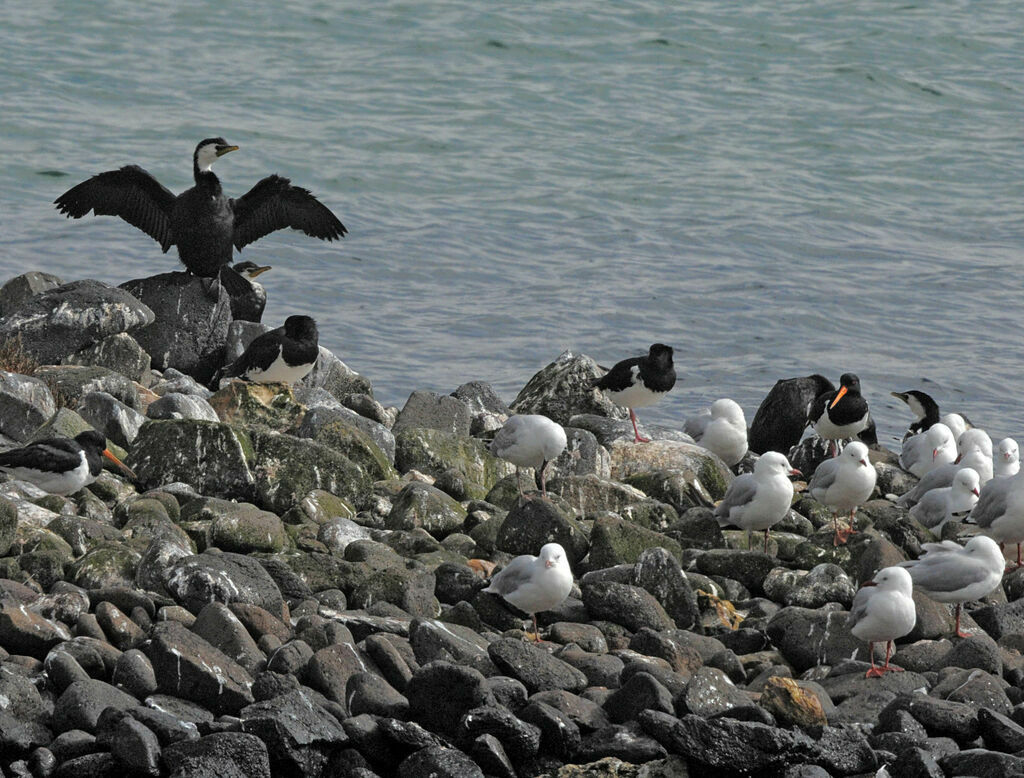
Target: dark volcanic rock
939, 717
25, 403
369, 693
537, 669
978, 761
441, 693
750, 568
221, 755
18, 290
25, 632
120, 353
620, 741
60, 321
532, 523
632, 607
439, 762
299, 733
559, 734
200, 579
641, 692
807, 637
191, 322
519, 739
187, 666
710, 692
81, 704
562, 389
659, 573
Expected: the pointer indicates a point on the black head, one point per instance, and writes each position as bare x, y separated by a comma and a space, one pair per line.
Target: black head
850, 381
91, 441
300, 328
660, 354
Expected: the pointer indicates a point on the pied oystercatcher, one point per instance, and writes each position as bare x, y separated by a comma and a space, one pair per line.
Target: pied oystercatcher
60, 465
639, 382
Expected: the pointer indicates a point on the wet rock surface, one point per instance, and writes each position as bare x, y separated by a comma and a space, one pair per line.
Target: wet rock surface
294, 586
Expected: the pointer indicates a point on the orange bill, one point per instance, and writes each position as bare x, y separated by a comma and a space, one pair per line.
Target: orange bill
839, 396
118, 462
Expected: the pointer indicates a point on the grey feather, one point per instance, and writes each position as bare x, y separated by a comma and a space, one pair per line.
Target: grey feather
934, 479
517, 573
824, 475
944, 569
507, 436
741, 491
992, 502
695, 426
860, 605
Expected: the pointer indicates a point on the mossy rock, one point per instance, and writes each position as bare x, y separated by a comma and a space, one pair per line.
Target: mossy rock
45, 567
321, 507
214, 459
341, 434
288, 468
324, 571
614, 541
143, 508
590, 495
262, 405
109, 564
145, 523
533, 523
433, 452
421, 505
410, 588
83, 533
706, 476
8, 524
244, 528
682, 489
43, 539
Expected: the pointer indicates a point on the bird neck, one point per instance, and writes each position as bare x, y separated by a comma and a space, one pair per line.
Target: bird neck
205, 179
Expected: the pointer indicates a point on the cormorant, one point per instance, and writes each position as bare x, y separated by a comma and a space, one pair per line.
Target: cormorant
202, 222
284, 355
249, 305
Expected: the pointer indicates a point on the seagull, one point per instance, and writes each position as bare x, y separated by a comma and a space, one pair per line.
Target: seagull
927, 450
60, 465
758, 500
1007, 462
949, 572
535, 583
781, 417
721, 429
975, 451
639, 382
844, 482
949, 503
529, 440
958, 423
1000, 511
284, 355
883, 610
840, 414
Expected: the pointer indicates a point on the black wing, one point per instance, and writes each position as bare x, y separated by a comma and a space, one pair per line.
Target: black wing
620, 377
260, 354
274, 204
131, 193
54, 455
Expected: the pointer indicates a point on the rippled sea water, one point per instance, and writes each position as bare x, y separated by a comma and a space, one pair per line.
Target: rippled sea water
773, 188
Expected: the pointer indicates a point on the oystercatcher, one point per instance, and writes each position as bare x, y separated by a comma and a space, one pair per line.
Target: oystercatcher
840, 414
639, 382
60, 465
283, 355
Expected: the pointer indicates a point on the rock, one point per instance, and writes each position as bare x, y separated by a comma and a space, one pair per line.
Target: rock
330, 669
808, 637
337, 533
367, 443
267, 405
750, 568
533, 523
822, 584
563, 389
705, 475
441, 693
81, 704
24, 718
369, 693
220, 755
122, 632
300, 734
534, 667
113, 418
1000, 619
216, 459
106, 564
610, 431
25, 403
978, 761
625, 741
240, 527
939, 717
133, 744
440, 762
421, 505
433, 411
583, 455
175, 405
120, 353
641, 692
134, 674
220, 627
71, 383
433, 640
174, 381
189, 667
658, 571
708, 693
190, 326
64, 319
25, 632
334, 376
434, 452
8, 525
999, 732
197, 580
632, 607
792, 704
20, 289
519, 739
616, 542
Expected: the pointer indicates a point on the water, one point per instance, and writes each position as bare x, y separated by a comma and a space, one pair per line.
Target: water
773, 188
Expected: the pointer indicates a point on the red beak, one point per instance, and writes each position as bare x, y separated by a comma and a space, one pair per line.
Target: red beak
838, 397
794, 471
975, 492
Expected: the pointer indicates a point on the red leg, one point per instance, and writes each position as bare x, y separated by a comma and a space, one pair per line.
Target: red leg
874, 672
536, 629
841, 535
1018, 555
959, 632
766, 541
638, 437
543, 479
888, 653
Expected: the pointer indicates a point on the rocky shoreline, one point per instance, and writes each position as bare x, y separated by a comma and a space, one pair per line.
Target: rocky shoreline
293, 584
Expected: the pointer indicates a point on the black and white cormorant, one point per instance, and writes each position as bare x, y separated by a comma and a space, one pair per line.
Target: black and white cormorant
60, 465
202, 222
284, 355
249, 305
639, 382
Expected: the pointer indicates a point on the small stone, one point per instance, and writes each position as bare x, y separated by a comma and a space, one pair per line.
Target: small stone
176, 405
25, 403
300, 734
134, 673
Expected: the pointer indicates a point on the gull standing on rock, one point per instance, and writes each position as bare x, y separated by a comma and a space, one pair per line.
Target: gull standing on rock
1000, 511
529, 440
928, 450
949, 503
758, 500
840, 414
1006, 462
721, 429
975, 451
949, 572
639, 382
883, 610
842, 483
535, 583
